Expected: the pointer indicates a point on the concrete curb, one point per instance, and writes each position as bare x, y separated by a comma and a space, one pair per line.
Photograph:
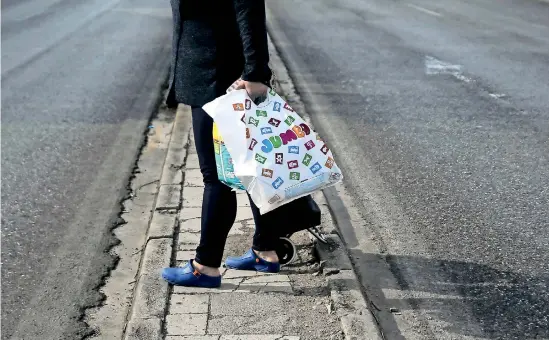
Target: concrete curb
150, 302
357, 320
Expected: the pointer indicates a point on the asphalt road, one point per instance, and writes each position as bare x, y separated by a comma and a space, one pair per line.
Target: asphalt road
79, 81
438, 113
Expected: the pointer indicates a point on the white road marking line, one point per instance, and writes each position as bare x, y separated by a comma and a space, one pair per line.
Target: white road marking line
461, 77
497, 95
434, 66
425, 10
155, 12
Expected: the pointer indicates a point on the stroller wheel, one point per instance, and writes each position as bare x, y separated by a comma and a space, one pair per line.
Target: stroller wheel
285, 250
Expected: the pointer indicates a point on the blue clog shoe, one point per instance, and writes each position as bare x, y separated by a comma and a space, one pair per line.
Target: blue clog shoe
189, 277
250, 261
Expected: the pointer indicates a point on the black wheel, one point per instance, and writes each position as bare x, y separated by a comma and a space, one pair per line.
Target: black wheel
285, 250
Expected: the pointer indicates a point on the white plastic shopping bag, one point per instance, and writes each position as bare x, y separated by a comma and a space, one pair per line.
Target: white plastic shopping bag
276, 156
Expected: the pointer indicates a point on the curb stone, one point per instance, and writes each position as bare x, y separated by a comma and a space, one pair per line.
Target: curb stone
109, 320
144, 329
162, 224
169, 196
357, 321
149, 287
149, 307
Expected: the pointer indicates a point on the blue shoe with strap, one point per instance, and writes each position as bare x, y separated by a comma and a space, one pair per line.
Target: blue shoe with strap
188, 276
250, 261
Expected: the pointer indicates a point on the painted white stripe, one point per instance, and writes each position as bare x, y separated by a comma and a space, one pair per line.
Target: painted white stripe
425, 10
434, 66
461, 77
154, 12
497, 95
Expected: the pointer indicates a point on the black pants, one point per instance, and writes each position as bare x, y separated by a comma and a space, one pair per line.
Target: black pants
219, 202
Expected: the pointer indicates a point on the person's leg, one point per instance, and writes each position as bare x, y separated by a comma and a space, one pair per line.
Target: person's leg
218, 215
219, 201
266, 234
262, 257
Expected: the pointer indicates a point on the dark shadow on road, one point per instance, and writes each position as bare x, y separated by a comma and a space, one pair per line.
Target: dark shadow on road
500, 304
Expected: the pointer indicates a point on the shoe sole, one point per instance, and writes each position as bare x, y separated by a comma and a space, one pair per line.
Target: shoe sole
182, 285
252, 270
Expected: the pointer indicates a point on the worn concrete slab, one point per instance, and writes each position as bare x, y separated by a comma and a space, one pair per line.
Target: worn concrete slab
239, 305
186, 239
233, 274
192, 162
268, 278
157, 255
186, 324
187, 213
150, 297
192, 197
151, 291
189, 304
190, 226
168, 197
193, 181
185, 255
162, 224
143, 329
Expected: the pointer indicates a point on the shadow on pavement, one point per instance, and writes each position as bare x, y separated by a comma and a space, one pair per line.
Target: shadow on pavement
467, 299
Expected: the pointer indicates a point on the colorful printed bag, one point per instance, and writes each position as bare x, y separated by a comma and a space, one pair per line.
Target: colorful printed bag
224, 162
276, 156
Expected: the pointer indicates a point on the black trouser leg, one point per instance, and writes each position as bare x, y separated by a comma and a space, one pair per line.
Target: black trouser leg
266, 235
219, 202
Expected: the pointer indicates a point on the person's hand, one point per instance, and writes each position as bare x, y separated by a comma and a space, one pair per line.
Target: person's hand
254, 89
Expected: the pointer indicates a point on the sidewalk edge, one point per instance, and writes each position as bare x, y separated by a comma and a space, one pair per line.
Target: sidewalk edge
357, 319
151, 296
